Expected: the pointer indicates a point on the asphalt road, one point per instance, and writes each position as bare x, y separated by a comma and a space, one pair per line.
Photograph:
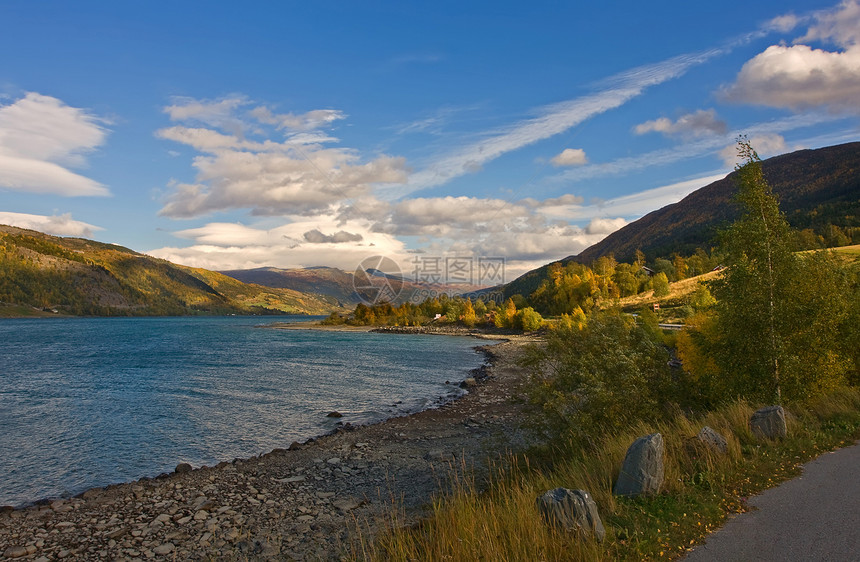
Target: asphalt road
813, 517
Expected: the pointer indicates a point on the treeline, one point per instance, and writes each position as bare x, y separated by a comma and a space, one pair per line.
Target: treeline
443, 310
568, 291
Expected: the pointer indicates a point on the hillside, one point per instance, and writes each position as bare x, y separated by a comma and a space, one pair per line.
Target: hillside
815, 188
328, 281
83, 277
340, 284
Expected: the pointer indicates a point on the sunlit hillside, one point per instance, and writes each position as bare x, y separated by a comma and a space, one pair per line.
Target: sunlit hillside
42, 274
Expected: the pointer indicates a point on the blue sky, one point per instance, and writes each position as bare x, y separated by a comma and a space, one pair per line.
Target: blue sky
238, 135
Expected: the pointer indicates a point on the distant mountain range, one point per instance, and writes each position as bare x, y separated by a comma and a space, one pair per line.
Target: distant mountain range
341, 285
43, 273
329, 281
815, 188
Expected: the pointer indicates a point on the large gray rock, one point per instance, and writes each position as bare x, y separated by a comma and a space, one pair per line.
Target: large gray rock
573, 510
642, 471
769, 423
713, 440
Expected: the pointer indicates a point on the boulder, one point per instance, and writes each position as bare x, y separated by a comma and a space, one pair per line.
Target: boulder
769, 423
573, 510
182, 468
469, 383
163, 549
642, 471
713, 440
19, 551
346, 503
334, 414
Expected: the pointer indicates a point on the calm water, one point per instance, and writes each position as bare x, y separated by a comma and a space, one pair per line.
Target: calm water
89, 402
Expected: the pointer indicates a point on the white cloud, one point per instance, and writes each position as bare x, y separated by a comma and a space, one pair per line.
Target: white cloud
800, 76
560, 201
523, 232
697, 124
40, 137
841, 26
58, 225
221, 246
441, 216
296, 176
570, 157
599, 225
765, 145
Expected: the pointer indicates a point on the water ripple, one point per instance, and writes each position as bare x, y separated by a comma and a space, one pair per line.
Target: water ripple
90, 402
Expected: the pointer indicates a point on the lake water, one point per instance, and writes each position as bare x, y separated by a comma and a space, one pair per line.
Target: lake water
90, 402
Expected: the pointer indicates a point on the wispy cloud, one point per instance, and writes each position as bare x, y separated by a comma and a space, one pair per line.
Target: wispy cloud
40, 139
557, 118
614, 212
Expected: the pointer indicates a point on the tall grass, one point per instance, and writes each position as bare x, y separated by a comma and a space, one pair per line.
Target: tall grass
701, 487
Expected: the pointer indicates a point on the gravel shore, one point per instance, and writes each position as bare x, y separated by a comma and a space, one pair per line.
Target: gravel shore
298, 503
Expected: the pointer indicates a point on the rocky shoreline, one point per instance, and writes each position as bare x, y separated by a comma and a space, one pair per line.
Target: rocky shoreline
305, 502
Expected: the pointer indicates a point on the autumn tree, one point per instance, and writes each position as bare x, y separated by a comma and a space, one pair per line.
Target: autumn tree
778, 315
660, 284
469, 317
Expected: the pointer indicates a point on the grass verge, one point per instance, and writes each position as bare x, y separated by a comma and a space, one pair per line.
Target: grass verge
701, 489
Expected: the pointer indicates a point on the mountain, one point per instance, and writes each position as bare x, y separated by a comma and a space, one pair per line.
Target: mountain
329, 281
83, 277
341, 285
813, 186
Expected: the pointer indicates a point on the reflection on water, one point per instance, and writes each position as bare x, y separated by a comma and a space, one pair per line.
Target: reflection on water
89, 402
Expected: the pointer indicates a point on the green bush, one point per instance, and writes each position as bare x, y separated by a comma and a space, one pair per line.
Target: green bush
603, 377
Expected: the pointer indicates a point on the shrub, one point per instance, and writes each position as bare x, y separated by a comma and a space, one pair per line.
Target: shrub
605, 376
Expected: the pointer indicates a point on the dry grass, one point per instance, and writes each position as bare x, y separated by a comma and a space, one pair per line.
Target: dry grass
678, 291
701, 488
